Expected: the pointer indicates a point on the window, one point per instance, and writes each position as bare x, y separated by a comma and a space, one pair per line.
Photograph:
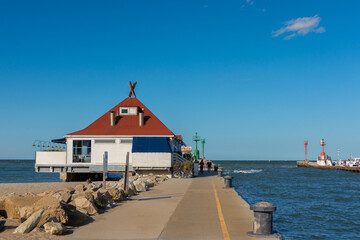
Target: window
126, 141
81, 151
128, 111
105, 141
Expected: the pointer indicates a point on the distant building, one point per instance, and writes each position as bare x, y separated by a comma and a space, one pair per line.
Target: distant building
129, 127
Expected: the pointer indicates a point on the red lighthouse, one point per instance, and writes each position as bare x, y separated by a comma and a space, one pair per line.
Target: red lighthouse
306, 144
323, 143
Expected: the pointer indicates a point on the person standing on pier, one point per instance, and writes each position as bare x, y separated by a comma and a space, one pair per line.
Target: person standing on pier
209, 165
201, 166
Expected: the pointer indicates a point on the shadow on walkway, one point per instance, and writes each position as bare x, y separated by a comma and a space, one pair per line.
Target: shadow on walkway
207, 173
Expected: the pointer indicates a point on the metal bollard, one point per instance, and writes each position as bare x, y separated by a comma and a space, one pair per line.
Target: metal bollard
263, 219
220, 173
228, 181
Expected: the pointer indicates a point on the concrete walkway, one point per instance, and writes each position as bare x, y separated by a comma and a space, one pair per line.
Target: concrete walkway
197, 208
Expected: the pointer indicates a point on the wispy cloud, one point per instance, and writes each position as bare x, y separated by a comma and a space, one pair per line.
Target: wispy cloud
248, 3
300, 26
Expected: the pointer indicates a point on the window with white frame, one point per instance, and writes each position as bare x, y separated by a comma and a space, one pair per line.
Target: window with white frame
128, 110
81, 151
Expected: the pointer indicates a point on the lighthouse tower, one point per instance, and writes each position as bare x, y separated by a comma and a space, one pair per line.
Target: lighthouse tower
324, 160
322, 143
306, 144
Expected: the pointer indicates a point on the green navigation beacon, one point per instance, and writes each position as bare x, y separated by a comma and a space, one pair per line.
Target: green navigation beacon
196, 138
203, 147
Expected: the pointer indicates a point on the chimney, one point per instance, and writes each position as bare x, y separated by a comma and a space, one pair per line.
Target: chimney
112, 118
141, 117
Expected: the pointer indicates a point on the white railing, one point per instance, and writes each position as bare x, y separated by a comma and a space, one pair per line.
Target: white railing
175, 157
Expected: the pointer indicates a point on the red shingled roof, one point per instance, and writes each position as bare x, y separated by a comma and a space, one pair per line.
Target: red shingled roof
126, 124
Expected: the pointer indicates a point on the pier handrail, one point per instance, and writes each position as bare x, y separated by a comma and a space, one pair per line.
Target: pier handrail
176, 157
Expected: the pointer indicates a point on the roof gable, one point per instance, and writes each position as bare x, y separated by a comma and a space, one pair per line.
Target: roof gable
126, 124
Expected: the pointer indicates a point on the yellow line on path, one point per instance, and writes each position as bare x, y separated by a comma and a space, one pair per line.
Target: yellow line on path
221, 216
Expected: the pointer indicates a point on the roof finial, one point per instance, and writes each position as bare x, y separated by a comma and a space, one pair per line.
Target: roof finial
132, 87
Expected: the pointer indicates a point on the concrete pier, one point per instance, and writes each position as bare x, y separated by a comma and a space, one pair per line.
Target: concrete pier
314, 165
196, 208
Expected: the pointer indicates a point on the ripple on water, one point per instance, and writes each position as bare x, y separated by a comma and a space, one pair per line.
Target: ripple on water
311, 203
248, 171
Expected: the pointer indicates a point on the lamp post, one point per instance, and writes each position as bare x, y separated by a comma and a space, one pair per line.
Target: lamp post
196, 138
203, 147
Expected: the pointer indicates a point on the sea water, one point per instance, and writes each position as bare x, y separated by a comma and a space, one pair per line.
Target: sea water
311, 203
14, 171
17, 171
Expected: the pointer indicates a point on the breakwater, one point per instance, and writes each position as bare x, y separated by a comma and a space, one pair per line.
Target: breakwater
304, 164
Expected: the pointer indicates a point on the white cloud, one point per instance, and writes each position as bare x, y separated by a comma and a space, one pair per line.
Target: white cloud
300, 26
248, 3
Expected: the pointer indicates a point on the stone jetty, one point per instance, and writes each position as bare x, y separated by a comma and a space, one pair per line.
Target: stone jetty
314, 165
185, 208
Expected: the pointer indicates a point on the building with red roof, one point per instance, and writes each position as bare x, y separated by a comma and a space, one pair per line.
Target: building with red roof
129, 128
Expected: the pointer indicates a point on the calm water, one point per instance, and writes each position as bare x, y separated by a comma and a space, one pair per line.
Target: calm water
12, 171
311, 203
23, 171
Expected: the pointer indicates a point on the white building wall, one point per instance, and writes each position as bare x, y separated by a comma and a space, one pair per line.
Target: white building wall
116, 151
50, 157
69, 150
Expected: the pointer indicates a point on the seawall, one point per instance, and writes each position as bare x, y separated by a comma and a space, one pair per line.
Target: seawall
314, 165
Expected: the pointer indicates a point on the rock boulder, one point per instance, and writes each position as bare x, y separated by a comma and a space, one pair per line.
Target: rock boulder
22, 207
75, 217
82, 203
79, 188
53, 209
54, 228
70, 190
117, 194
30, 223
62, 196
140, 185
104, 197
47, 193
93, 186
2, 206
14, 203
89, 196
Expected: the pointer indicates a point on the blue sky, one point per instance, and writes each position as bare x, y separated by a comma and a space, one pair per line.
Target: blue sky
254, 77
